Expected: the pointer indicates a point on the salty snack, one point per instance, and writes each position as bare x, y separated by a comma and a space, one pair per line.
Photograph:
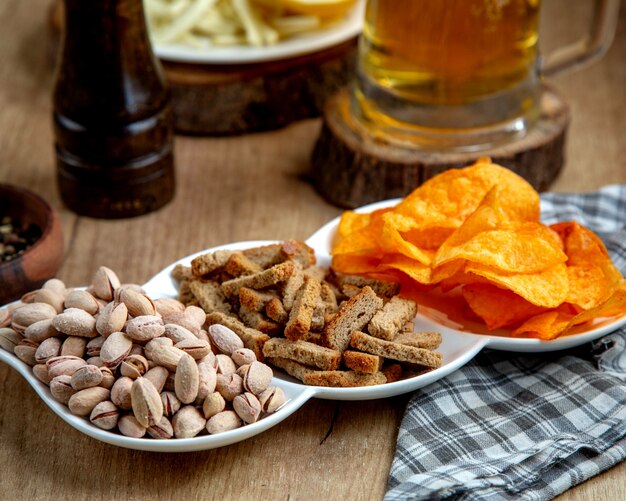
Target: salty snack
130, 363
302, 318
203, 23
471, 239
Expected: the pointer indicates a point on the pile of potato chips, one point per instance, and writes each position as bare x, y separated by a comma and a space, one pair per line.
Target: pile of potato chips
476, 230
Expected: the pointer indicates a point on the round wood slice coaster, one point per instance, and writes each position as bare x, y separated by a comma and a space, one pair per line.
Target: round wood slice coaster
234, 99
351, 168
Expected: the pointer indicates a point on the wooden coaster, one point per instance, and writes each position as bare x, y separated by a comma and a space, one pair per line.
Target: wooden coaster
234, 99
351, 168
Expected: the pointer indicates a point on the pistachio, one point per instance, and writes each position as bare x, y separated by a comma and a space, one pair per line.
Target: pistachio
257, 378
170, 382
247, 407
86, 377
64, 365
97, 361
41, 372
137, 304
75, 322
146, 402
213, 404
152, 344
104, 283
242, 369
82, 402
188, 422
82, 300
243, 356
223, 421
229, 386
107, 377
61, 388
186, 379
195, 347
75, 346
225, 339
117, 295
9, 339
167, 356
5, 317
50, 297
120, 393
167, 305
171, 404
115, 349
55, 285
41, 330
49, 348
111, 319
134, 366
204, 335
224, 364
272, 399
178, 333
161, 430
208, 359
157, 376
144, 328
105, 415
207, 379
137, 349
195, 313
28, 314
94, 346
25, 350
129, 426
179, 318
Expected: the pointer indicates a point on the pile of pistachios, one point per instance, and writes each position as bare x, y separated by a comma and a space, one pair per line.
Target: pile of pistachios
136, 365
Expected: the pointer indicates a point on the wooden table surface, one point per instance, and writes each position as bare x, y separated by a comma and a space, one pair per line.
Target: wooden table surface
230, 189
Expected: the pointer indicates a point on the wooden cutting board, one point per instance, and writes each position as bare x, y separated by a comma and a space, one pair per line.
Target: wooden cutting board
234, 99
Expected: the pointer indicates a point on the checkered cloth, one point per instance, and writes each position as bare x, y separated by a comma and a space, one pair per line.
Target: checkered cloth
523, 427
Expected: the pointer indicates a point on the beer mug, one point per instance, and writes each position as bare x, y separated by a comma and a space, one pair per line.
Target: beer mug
460, 74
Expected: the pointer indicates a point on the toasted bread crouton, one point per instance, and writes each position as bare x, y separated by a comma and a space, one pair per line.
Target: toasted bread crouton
301, 313
392, 317
429, 340
291, 367
209, 295
271, 276
362, 362
344, 379
303, 352
353, 315
395, 351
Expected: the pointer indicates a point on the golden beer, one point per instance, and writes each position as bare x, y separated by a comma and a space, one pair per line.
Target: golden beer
440, 66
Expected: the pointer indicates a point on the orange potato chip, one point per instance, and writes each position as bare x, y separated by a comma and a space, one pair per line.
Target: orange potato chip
546, 326
365, 239
614, 305
450, 197
547, 288
392, 239
498, 307
352, 265
588, 286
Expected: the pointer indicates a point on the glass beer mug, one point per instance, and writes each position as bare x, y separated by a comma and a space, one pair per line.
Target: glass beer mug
460, 74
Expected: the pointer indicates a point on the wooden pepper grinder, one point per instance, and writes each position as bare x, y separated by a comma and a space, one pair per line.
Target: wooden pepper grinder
112, 115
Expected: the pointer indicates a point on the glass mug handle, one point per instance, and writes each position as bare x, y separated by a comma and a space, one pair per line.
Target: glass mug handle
589, 48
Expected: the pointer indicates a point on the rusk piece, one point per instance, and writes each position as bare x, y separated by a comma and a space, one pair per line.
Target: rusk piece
275, 310
395, 351
271, 276
291, 367
254, 300
353, 315
390, 320
343, 379
252, 338
386, 289
185, 295
301, 314
429, 340
289, 250
362, 362
181, 272
239, 265
303, 352
210, 262
291, 288
258, 321
209, 295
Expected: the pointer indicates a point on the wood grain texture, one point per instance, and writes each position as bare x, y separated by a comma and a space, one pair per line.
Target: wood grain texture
252, 187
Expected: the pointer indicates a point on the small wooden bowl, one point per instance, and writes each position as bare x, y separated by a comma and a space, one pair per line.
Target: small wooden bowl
42, 260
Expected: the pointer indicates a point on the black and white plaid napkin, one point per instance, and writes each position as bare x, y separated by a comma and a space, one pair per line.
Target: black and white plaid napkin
523, 427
